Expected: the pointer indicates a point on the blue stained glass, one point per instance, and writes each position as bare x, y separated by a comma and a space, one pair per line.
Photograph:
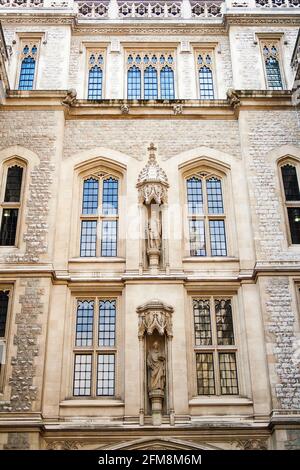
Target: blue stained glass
150, 83
134, 83
27, 73
167, 90
206, 83
95, 83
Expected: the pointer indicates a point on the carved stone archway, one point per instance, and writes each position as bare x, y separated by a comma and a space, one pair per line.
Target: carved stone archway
155, 318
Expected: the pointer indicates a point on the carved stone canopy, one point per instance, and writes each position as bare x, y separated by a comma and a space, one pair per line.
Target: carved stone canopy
155, 315
152, 181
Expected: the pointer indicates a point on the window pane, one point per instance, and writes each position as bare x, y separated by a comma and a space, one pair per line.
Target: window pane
107, 323
88, 238
197, 238
82, 375
13, 184
290, 183
294, 220
8, 227
228, 374
4, 296
90, 196
273, 74
217, 238
27, 74
206, 83
205, 374
150, 84
214, 196
106, 375
95, 83
134, 83
167, 83
225, 335
110, 197
202, 323
84, 323
194, 196
109, 238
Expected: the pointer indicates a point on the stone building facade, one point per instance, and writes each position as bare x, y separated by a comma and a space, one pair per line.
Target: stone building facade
149, 239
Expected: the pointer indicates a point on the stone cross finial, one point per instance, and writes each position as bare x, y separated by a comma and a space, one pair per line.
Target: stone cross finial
152, 149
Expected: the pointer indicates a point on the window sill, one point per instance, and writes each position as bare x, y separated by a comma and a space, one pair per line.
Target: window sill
113, 259
92, 402
210, 259
220, 400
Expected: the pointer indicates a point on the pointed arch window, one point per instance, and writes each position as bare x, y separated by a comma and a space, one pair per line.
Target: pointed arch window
271, 58
205, 75
11, 201
95, 74
99, 216
28, 66
206, 216
150, 75
290, 181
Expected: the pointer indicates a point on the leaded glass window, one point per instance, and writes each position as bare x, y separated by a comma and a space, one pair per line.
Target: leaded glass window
99, 216
272, 65
95, 347
289, 175
214, 346
204, 61
206, 217
95, 74
28, 65
150, 75
11, 204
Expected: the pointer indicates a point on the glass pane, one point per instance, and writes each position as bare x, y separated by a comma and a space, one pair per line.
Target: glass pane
167, 91
194, 196
205, 374
84, 323
13, 184
134, 83
290, 183
27, 74
90, 196
106, 375
197, 238
294, 220
202, 323
8, 227
217, 238
110, 197
82, 375
107, 323
150, 84
228, 374
214, 196
3, 311
225, 335
273, 74
88, 239
206, 83
109, 238
95, 83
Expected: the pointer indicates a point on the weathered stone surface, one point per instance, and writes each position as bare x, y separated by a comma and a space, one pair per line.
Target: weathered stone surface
17, 441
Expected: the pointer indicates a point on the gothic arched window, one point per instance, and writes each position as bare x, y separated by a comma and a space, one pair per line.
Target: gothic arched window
290, 182
95, 77
272, 66
167, 91
205, 75
206, 216
28, 63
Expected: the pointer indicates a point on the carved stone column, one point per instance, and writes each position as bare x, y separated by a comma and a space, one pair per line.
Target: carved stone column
152, 187
155, 340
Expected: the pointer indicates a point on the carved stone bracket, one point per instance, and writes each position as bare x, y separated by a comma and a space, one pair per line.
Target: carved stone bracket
155, 315
71, 97
152, 181
233, 98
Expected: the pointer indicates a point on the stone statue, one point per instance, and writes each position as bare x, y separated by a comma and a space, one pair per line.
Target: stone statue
156, 365
154, 233
70, 98
233, 97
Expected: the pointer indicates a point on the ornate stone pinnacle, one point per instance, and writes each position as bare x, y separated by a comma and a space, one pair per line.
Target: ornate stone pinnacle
152, 149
